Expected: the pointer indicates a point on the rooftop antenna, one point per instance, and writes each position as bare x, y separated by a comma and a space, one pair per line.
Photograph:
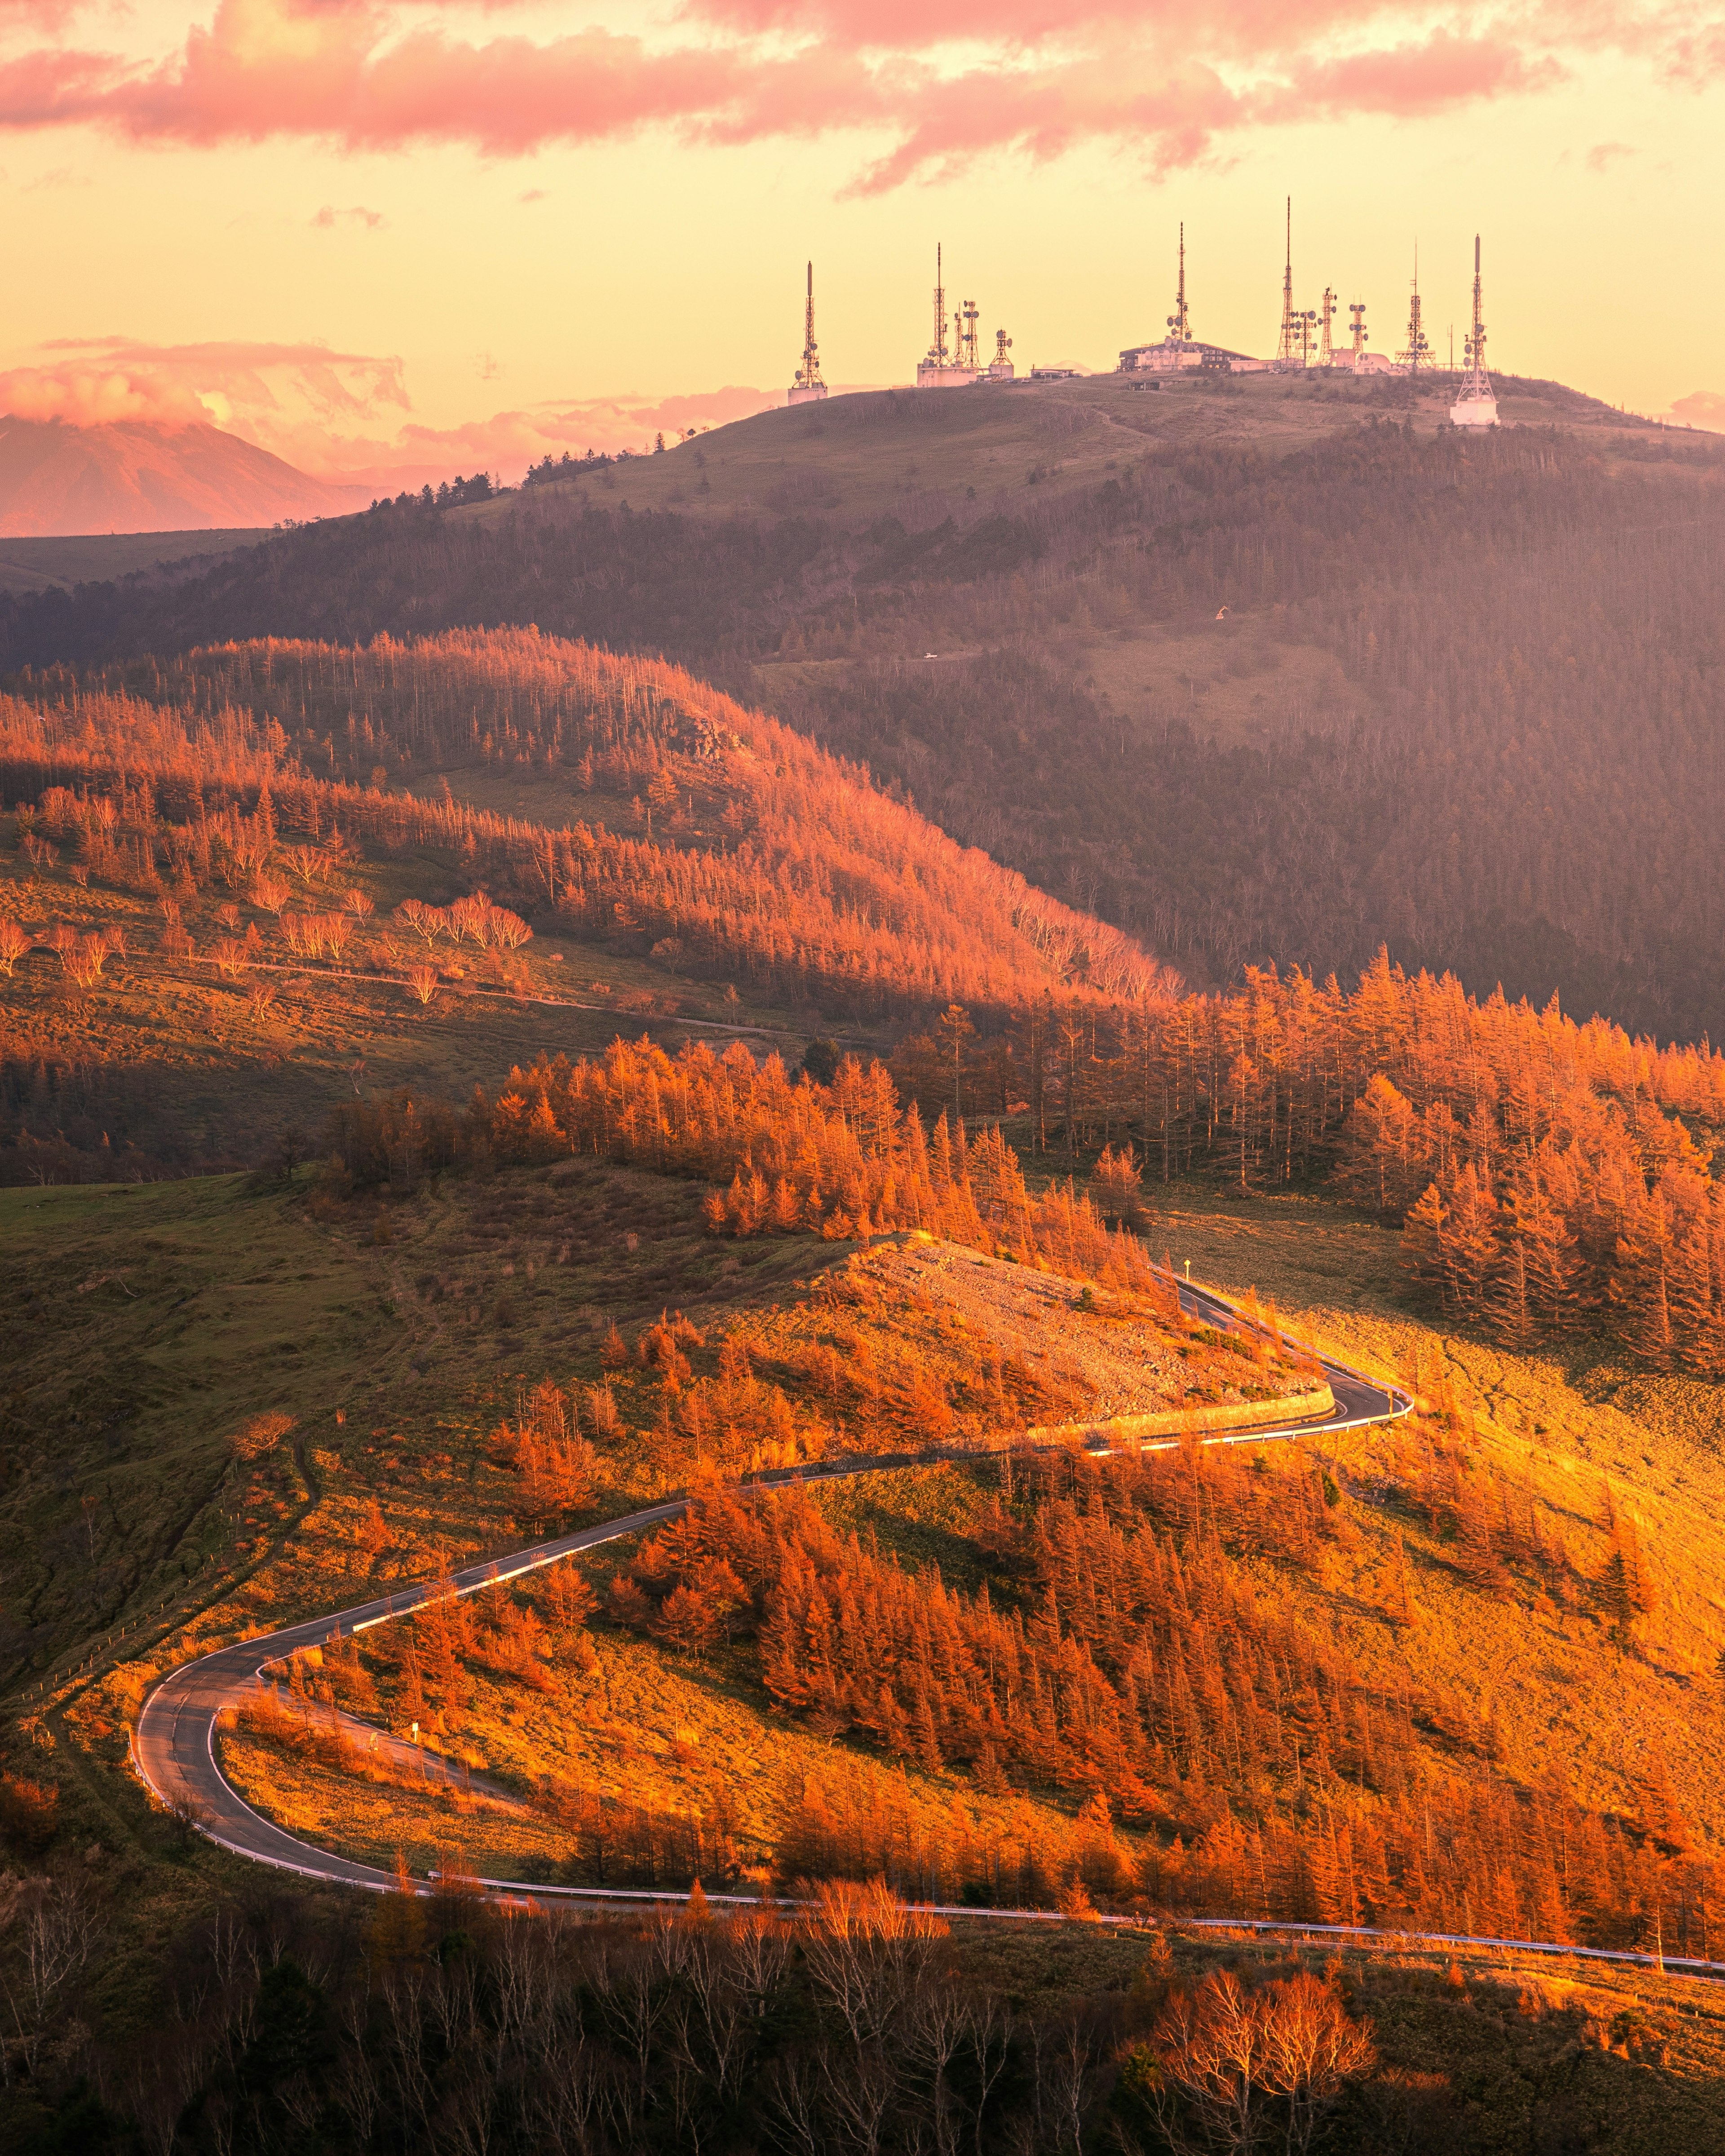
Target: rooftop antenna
1418, 351
1477, 404
1326, 314
808, 385
1179, 322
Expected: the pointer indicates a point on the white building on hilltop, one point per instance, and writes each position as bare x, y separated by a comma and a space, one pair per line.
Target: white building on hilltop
1179, 352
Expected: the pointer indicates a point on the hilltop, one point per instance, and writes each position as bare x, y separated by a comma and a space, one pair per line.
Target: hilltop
1263, 670
40, 565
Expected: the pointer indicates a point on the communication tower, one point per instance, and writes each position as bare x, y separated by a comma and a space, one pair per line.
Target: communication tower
1418, 351
1357, 308
945, 368
1293, 350
1477, 404
1180, 323
1000, 368
1326, 315
809, 388
1287, 358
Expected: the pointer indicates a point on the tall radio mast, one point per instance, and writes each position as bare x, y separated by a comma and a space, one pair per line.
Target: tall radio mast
1293, 351
1180, 323
808, 385
938, 349
1477, 404
1326, 314
1287, 349
1418, 351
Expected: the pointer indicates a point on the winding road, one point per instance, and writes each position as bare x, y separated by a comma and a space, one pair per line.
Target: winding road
175, 1748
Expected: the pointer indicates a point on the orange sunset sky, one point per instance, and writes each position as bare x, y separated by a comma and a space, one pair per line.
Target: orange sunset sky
403, 240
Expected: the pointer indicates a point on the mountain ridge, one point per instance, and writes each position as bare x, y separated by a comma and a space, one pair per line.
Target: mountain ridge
1223, 663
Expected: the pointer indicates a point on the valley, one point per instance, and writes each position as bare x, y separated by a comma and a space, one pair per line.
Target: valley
468, 1085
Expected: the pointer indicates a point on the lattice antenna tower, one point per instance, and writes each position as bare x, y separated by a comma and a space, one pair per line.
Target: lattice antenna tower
1418, 351
1357, 308
808, 373
1479, 382
1477, 404
1326, 315
1180, 323
967, 322
938, 349
1288, 345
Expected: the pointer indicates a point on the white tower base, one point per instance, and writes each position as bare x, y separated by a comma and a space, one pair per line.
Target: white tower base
808, 393
1474, 411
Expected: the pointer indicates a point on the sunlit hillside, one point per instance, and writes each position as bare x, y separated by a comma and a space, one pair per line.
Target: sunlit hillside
1267, 670
269, 840
1472, 1663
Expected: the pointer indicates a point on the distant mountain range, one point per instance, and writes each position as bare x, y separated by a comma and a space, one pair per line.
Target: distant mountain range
133, 475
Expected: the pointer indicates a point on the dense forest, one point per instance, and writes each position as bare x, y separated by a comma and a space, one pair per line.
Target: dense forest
1525, 629
1553, 1178
428, 2025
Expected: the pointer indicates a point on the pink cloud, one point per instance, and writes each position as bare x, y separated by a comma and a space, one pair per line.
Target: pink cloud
342, 417
1703, 408
1165, 82
37, 14
1603, 154
285, 398
85, 396
328, 218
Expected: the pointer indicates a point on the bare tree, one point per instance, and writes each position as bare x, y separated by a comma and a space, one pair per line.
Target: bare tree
50, 1931
1313, 2051
1235, 2070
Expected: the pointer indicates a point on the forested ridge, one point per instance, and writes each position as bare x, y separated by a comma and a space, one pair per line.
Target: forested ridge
1526, 627
1553, 1179
773, 861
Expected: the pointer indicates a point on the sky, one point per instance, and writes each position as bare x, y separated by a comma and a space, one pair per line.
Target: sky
394, 241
